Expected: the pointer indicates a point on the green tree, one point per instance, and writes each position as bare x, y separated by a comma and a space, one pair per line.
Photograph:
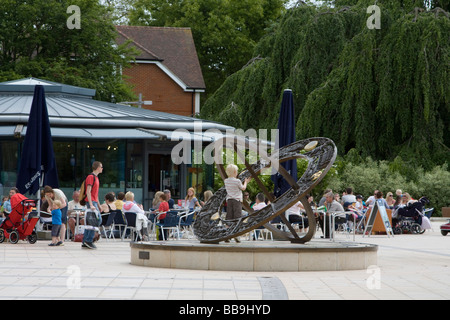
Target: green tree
383, 92
225, 32
36, 41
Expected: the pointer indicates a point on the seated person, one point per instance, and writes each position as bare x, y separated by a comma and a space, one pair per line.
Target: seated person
163, 206
294, 215
259, 202
379, 198
119, 201
332, 206
109, 204
349, 198
131, 206
106, 207
74, 204
258, 205
169, 199
162, 212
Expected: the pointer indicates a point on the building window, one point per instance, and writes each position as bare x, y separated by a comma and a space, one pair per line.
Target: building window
121, 159
134, 169
8, 165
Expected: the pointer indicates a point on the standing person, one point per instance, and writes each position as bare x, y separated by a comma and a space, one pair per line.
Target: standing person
52, 195
56, 224
92, 186
7, 204
234, 188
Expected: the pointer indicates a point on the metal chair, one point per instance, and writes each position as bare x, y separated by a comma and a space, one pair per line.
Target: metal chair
152, 217
130, 218
109, 223
170, 222
342, 219
185, 222
120, 221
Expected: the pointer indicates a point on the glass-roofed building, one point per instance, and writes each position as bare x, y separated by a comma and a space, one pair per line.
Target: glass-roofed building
133, 144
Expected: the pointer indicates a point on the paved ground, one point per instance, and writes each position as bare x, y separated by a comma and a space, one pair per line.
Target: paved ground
409, 267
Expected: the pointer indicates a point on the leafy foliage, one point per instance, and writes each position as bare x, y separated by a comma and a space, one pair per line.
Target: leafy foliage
36, 42
381, 95
225, 32
383, 92
366, 176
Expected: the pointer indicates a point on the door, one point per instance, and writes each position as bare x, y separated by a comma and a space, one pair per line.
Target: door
163, 174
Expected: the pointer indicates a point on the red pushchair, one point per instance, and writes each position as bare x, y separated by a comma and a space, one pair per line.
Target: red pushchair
20, 223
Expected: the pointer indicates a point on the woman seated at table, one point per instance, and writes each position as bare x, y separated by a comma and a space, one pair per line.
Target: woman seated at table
131, 206
191, 200
108, 206
294, 215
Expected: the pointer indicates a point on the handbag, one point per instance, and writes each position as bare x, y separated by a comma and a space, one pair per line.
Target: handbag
92, 218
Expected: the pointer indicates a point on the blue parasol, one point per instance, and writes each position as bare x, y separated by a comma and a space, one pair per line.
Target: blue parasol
286, 135
37, 164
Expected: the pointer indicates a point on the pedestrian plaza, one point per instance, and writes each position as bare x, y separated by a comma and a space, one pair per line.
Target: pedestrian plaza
409, 267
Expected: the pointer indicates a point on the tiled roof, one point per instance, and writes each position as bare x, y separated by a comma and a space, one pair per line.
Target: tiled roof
174, 47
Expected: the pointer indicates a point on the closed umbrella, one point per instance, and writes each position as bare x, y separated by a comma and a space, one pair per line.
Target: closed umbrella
286, 135
37, 163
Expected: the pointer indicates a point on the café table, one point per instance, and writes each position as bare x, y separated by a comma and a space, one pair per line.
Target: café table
75, 213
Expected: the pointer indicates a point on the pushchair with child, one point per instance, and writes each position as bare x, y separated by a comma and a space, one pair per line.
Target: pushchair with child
20, 223
409, 219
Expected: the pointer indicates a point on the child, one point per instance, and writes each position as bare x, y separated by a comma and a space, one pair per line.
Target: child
163, 208
234, 189
56, 223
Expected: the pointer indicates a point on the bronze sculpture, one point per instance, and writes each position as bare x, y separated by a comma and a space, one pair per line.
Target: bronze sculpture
320, 153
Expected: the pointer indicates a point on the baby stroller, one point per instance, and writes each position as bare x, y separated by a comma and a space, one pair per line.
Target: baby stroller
20, 223
409, 218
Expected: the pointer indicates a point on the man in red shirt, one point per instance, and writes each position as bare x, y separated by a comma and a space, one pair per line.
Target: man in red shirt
92, 186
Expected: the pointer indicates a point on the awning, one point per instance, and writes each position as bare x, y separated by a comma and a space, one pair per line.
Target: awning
89, 133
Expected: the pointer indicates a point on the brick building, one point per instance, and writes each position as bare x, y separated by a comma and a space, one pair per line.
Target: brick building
167, 71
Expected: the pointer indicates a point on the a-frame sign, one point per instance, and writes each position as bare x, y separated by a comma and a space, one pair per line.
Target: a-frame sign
378, 207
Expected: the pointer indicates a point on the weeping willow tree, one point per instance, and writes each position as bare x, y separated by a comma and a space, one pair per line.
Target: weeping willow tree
389, 96
383, 92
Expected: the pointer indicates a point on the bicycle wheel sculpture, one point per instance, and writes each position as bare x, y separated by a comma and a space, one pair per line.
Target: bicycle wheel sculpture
209, 227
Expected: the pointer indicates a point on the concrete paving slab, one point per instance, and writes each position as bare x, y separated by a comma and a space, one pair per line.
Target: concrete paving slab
409, 267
